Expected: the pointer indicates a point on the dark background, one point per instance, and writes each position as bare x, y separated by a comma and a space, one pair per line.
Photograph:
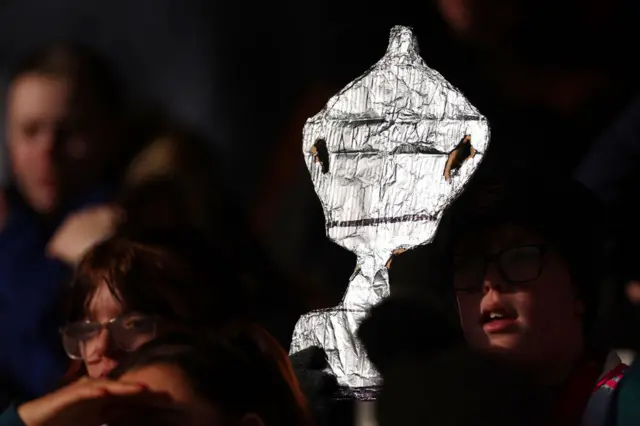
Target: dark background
233, 71
239, 71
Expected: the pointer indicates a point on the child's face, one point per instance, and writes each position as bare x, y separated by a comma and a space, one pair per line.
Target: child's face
516, 297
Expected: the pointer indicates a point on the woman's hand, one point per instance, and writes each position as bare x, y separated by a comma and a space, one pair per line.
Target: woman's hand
87, 402
81, 230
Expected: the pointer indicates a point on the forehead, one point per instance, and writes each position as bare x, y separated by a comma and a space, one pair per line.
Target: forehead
497, 237
37, 95
102, 305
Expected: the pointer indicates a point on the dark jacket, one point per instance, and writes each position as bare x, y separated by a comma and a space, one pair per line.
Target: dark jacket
31, 360
10, 417
627, 406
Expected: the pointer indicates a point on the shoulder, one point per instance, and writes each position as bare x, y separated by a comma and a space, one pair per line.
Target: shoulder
600, 409
612, 377
10, 417
627, 408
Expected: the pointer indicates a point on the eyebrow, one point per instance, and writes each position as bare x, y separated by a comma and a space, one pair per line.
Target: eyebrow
486, 249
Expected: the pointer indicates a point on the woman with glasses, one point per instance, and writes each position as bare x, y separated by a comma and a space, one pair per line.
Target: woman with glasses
237, 376
125, 294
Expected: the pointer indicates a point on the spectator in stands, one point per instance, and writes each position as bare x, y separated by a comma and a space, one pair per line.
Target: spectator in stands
127, 292
526, 255
237, 376
62, 121
173, 182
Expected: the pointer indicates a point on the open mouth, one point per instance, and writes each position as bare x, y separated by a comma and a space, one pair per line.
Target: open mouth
498, 321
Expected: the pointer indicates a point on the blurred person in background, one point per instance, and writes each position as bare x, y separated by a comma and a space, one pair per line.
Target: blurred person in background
127, 292
161, 277
174, 181
62, 124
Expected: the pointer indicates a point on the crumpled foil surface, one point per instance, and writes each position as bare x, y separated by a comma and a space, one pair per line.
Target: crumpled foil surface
386, 155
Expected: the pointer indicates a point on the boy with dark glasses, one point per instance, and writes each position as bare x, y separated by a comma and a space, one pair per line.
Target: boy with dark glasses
523, 256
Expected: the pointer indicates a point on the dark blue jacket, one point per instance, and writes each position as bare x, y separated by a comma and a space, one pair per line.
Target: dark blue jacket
31, 357
10, 417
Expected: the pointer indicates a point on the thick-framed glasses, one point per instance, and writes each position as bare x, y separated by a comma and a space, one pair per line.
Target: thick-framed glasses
127, 332
516, 265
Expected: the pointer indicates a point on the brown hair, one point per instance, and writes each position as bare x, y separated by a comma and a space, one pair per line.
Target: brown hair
166, 277
90, 76
241, 369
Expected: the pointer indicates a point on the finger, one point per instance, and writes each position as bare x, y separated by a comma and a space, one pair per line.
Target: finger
112, 394
103, 387
108, 214
110, 210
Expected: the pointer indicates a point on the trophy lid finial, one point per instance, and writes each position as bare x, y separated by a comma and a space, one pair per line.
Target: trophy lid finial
402, 42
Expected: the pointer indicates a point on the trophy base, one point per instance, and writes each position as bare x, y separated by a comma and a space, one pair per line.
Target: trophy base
333, 330
367, 393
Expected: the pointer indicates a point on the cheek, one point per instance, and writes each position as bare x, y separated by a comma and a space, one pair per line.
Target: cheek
551, 300
469, 310
27, 158
20, 153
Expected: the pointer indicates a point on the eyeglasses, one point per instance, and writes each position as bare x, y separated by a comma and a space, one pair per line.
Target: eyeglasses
128, 332
516, 265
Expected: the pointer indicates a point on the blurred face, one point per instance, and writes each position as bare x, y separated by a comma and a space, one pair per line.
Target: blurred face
107, 334
516, 297
53, 147
190, 408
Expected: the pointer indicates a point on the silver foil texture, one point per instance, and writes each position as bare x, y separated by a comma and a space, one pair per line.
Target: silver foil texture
386, 155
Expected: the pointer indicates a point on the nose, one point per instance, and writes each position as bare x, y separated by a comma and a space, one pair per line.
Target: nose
44, 145
101, 345
493, 280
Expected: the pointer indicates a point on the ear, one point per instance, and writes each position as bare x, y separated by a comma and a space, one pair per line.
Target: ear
251, 419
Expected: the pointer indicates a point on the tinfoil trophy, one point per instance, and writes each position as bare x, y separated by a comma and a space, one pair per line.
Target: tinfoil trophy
386, 155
